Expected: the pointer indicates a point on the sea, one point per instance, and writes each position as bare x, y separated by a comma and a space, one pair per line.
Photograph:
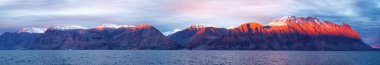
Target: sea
187, 57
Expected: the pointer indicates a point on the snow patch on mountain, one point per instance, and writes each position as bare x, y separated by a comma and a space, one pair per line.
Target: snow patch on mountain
68, 27
277, 23
32, 30
287, 19
282, 21
115, 26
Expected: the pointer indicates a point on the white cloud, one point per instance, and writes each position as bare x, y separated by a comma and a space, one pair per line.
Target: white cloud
323, 7
347, 13
5, 2
187, 11
171, 32
82, 11
73, 8
228, 9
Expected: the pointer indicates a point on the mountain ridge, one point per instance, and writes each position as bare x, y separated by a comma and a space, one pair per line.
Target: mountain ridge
286, 33
293, 33
140, 37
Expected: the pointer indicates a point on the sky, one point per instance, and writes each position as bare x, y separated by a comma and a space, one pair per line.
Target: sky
174, 15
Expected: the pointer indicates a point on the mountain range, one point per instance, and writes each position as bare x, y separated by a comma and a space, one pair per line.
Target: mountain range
105, 37
286, 33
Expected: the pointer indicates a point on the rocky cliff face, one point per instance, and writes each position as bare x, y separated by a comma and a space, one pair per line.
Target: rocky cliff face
287, 33
13, 40
102, 37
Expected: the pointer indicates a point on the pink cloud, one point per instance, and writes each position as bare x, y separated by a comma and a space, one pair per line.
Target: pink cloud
375, 46
209, 9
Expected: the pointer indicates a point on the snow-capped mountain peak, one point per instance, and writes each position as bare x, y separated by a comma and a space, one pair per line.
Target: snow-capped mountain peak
287, 19
32, 30
280, 23
69, 27
127, 26
114, 26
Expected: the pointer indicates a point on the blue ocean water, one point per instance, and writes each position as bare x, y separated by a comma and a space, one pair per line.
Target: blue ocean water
186, 57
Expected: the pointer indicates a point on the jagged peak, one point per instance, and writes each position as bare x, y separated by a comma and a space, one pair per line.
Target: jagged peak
283, 21
288, 17
32, 30
249, 27
66, 27
286, 20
